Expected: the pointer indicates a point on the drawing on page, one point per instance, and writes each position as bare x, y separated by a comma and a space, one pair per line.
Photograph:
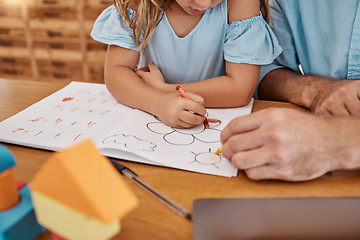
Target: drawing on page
187, 136
131, 142
20, 130
67, 99
206, 158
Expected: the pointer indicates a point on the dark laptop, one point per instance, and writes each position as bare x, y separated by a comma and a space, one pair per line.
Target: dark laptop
276, 218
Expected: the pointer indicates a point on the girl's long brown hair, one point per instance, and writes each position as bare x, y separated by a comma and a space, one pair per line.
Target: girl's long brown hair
264, 8
150, 12
148, 15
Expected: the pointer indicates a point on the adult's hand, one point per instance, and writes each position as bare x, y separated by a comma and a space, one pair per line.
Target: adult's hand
322, 95
290, 145
338, 98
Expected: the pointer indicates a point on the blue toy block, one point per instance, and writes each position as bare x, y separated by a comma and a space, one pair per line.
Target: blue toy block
6, 159
19, 222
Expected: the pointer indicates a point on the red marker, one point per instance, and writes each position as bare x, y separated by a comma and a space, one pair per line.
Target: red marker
184, 95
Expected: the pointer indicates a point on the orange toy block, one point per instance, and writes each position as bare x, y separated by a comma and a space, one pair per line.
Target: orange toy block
9, 196
81, 178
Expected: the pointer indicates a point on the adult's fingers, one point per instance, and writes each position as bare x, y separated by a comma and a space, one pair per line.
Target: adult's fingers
343, 101
333, 106
251, 158
280, 172
243, 142
265, 172
246, 123
332, 112
349, 94
274, 172
353, 105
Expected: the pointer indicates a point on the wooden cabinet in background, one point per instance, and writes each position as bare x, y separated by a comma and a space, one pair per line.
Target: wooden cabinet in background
49, 40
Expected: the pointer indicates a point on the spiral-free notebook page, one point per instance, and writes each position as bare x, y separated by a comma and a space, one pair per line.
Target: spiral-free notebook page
87, 110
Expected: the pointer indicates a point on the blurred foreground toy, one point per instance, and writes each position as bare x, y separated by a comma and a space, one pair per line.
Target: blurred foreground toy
17, 218
78, 194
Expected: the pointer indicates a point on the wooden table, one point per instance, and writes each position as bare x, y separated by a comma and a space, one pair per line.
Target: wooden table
151, 219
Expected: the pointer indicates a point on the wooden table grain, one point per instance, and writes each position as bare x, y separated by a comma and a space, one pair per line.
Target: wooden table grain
151, 219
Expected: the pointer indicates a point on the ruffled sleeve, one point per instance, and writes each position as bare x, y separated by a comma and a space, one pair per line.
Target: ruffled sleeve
251, 41
109, 28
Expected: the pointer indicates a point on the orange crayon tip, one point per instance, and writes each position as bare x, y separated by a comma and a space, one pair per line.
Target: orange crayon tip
219, 150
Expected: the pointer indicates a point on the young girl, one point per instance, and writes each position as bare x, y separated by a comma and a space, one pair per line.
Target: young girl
213, 49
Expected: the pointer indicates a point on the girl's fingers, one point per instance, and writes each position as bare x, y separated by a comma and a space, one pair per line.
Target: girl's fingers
191, 118
197, 98
143, 69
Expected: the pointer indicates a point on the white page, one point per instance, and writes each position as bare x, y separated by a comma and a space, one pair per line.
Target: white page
87, 110
188, 149
78, 111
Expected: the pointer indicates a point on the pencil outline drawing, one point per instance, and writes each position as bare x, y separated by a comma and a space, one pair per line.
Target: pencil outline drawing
207, 158
186, 136
130, 142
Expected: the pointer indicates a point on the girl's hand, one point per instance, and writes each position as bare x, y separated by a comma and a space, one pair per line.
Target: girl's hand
152, 76
178, 112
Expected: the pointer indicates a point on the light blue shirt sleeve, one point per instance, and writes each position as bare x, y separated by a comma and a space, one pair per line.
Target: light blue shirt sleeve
110, 29
289, 59
251, 41
322, 36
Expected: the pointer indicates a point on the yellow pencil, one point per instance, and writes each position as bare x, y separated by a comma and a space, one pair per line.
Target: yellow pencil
219, 150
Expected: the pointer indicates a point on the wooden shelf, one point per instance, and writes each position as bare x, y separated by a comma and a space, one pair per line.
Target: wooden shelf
49, 40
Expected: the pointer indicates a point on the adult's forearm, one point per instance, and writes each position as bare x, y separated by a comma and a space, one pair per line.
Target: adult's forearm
288, 86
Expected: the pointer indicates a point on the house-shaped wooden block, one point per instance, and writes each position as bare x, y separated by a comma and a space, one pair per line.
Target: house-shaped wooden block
78, 194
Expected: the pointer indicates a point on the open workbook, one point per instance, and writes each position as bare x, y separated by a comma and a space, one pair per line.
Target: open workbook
87, 110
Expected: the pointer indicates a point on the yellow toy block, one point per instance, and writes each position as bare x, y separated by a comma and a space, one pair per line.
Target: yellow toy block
69, 223
82, 179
